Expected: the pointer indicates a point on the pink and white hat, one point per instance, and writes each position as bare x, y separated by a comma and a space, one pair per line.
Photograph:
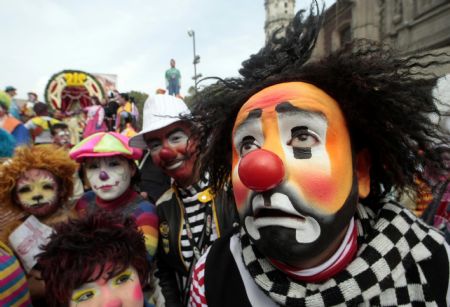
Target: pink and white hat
104, 144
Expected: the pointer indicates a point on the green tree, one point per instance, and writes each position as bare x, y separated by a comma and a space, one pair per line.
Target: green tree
188, 98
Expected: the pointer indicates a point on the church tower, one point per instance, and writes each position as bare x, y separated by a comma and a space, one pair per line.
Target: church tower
278, 14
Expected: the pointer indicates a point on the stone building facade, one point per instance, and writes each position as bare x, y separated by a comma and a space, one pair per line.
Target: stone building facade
411, 26
278, 15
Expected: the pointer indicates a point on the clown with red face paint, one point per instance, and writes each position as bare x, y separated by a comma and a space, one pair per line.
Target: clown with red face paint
190, 216
311, 149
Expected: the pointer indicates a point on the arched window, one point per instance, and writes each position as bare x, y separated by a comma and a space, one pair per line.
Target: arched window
345, 35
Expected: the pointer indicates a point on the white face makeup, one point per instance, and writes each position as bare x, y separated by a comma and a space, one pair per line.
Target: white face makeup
62, 137
302, 136
109, 177
292, 172
123, 289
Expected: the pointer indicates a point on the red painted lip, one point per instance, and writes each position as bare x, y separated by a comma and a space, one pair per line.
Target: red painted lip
107, 187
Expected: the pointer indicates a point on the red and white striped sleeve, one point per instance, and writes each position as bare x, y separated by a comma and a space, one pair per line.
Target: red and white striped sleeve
197, 296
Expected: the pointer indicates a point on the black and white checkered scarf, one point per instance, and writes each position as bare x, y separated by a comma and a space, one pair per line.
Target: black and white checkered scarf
384, 272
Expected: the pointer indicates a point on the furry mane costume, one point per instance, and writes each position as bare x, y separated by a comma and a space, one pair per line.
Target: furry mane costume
47, 157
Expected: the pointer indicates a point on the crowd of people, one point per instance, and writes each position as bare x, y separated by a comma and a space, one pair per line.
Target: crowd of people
32, 123
280, 187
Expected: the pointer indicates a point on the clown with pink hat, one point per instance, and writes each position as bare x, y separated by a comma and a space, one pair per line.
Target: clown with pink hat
109, 164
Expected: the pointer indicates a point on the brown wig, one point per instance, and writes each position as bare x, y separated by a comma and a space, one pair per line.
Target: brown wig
81, 251
385, 99
52, 158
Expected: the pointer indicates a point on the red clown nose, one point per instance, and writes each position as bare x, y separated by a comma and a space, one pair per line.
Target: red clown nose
167, 154
261, 170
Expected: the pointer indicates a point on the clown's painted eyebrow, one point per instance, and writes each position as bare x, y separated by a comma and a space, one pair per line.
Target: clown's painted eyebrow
252, 115
287, 107
256, 113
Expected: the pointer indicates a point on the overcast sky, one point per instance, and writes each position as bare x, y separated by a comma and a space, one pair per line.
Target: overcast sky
133, 39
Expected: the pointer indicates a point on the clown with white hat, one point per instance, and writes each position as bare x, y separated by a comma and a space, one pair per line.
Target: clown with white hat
190, 217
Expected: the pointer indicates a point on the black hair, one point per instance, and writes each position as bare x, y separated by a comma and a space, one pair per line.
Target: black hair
384, 97
54, 127
40, 108
95, 100
125, 96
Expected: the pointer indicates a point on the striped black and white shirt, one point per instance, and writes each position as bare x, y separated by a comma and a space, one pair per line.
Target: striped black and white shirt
195, 211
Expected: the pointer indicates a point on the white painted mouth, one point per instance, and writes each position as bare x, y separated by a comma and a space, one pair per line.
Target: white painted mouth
278, 201
307, 229
251, 228
174, 165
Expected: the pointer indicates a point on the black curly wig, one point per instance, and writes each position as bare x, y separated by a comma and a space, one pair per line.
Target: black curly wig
385, 98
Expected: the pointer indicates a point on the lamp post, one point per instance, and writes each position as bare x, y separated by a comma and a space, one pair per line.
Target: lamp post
196, 76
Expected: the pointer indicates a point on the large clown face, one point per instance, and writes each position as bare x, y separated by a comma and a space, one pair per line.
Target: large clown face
109, 177
173, 150
123, 289
37, 192
293, 175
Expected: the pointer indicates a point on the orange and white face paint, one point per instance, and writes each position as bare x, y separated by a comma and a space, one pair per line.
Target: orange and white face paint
292, 170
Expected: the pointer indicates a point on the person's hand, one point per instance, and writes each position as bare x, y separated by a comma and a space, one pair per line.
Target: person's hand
144, 195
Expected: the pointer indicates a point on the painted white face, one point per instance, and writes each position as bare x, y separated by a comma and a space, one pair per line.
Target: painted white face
293, 173
124, 289
109, 177
62, 138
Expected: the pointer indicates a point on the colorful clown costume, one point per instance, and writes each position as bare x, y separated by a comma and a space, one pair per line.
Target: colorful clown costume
110, 166
13, 283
